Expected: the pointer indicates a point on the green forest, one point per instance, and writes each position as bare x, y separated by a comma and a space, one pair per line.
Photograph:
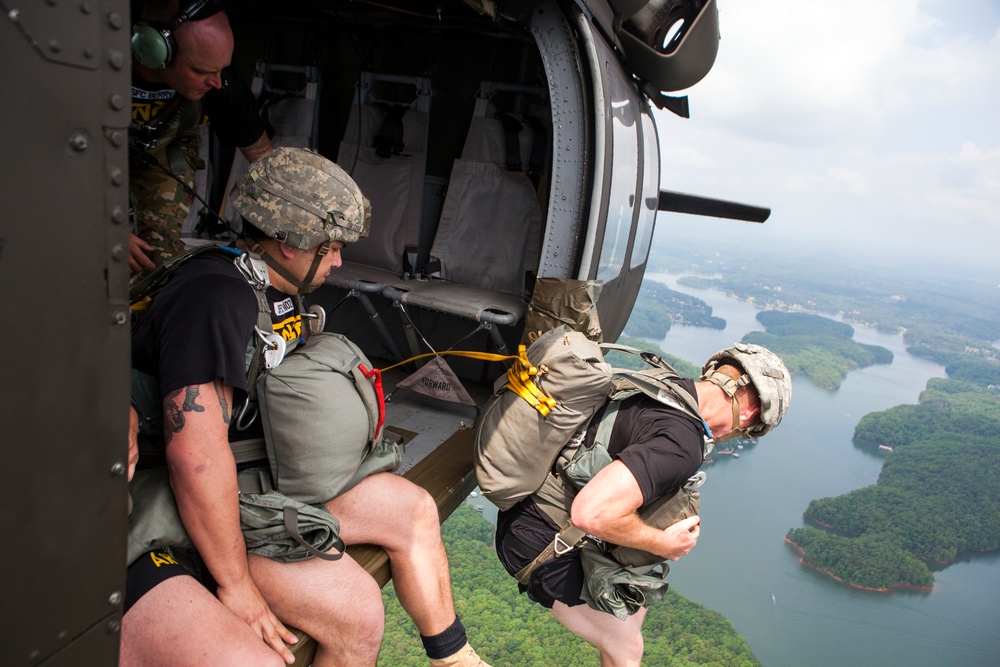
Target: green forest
507, 629
935, 498
815, 346
658, 306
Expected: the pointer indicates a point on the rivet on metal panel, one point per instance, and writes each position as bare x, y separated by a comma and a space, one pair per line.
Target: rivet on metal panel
115, 20
115, 598
117, 102
118, 468
118, 252
114, 626
55, 46
116, 59
78, 142
120, 318
117, 176
117, 138
85, 8
118, 215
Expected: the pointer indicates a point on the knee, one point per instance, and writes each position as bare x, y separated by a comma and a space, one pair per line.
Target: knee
359, 634
425, 508
625, 648
633, 646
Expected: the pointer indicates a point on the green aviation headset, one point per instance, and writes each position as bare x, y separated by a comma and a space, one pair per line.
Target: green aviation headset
153, 42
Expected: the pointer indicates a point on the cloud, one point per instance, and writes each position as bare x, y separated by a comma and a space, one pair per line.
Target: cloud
873, 119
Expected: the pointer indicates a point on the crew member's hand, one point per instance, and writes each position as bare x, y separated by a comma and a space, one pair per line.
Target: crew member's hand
247, 603
133, 441
138, 260
683, 535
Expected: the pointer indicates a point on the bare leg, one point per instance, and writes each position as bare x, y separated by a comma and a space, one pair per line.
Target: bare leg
399, 516
335, 602
620, 642
180, 623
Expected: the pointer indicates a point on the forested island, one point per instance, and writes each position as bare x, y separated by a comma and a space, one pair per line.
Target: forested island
507, 629
815, 346
935, 499
658, 307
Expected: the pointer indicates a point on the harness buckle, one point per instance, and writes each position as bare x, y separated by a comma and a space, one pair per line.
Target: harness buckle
274, 347
561, 547
253, 270
695, 481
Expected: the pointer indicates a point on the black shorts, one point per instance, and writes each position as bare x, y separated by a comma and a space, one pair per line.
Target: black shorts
147, 571
523, 532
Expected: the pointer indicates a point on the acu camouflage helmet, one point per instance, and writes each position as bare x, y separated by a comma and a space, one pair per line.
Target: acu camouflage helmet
761, 368
301, 198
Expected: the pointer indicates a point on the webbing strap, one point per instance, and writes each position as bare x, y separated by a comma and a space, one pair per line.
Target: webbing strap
568, 538
512, 130
291, 521
481, 356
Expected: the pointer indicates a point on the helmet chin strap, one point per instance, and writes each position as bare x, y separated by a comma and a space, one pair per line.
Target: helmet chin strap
304, 286
729, 387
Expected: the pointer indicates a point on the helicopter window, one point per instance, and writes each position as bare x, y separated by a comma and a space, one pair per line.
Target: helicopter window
624, 176
650, 192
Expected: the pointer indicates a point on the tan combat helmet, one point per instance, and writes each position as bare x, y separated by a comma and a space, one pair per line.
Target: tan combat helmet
304, 200
301, 198
761, 368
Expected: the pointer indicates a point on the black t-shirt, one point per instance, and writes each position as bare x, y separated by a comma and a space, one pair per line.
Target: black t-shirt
232, 108
198, 327
659, 445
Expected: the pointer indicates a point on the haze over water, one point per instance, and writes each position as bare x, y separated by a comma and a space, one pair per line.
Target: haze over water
749, 504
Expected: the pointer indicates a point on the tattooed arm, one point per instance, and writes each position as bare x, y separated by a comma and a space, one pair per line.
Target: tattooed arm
259, 148
203, 477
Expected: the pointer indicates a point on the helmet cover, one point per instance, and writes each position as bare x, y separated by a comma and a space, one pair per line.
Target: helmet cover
768, 375
302, 199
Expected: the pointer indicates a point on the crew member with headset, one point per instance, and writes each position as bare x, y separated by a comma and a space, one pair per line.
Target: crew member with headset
181, 52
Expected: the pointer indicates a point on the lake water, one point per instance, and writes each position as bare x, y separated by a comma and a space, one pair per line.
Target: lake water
749, 504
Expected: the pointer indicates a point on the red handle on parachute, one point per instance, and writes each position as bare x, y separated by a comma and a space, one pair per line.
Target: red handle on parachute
377, 374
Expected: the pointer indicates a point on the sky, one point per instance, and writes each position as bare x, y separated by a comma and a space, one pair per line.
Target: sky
867, 127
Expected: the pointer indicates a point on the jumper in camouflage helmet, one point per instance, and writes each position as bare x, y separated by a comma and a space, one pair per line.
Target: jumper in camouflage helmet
762, 369
302, 199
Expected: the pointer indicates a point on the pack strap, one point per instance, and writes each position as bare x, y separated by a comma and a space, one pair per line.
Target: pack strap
567, 539
291, 520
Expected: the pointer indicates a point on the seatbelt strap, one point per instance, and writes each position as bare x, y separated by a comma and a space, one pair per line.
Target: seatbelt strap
536, 161
389, 139
512, 136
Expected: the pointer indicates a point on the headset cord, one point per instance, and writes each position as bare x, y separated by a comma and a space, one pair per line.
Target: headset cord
150, 160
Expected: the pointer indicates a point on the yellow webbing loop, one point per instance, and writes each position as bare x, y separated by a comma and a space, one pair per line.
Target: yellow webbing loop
519, 381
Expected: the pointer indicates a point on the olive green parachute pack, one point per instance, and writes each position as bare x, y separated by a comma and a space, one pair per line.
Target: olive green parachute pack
322, 411
529, 443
